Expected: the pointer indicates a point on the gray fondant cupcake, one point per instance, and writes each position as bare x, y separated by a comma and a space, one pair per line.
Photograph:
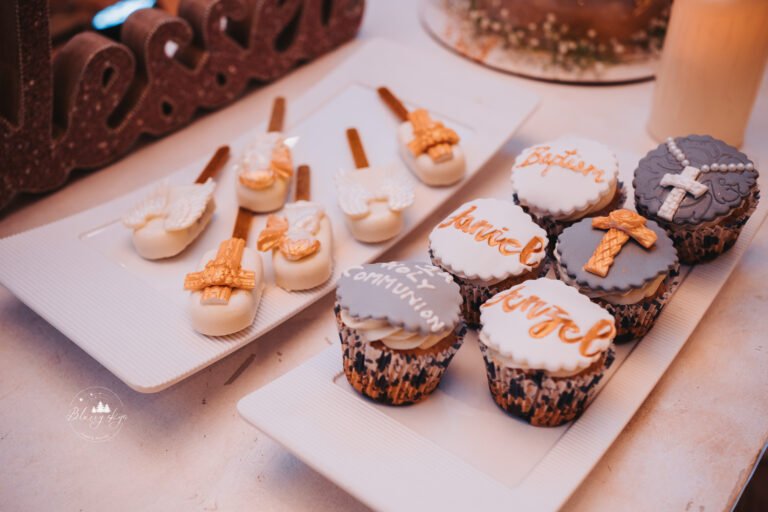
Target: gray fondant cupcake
488, 245
701, 190
399, 326
546, 348
623, 262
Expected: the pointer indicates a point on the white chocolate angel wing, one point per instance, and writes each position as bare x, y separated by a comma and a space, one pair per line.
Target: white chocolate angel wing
398, 190
151, 206
304, 216
258, 155
352, 194
188, 207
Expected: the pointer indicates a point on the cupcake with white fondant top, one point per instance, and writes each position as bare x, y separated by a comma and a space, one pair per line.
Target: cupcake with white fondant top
400, 326
546, 348
487, 245
563, 181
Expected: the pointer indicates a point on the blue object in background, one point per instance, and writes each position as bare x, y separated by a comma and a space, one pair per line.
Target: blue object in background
116, 14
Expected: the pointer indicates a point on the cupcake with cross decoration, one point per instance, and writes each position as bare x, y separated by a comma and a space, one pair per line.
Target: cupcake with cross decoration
623, 262
700, 190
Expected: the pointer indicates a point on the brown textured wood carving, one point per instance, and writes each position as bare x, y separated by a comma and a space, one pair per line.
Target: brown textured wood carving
88, 104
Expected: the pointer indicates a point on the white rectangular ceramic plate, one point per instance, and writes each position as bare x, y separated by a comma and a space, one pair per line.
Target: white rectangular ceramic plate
457, 450
129, 313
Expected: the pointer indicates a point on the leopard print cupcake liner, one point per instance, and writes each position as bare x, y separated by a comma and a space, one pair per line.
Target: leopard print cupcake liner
696, 244
539, 399
633, 321
390, 376
475, 295
555, 227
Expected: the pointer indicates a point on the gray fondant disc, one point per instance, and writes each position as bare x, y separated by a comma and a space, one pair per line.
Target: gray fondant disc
632, 268
414, 295
727, 189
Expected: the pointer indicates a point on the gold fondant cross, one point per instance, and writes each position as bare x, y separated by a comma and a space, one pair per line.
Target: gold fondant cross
621, 225
222, 274
431, 137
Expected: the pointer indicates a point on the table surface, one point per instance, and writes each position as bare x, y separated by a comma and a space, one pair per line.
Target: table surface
691, 446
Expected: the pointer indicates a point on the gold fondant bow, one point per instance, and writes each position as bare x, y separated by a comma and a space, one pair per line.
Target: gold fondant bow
280, 167
621, 225
431, 137
274, 236
222, 274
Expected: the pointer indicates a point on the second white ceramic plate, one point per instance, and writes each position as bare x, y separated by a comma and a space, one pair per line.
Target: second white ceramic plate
82, 275
457, 450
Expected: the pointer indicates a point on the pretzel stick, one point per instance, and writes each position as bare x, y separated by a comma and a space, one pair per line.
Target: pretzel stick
277, 117
356, 146
394, 104
302, 183
215, 164
242, 224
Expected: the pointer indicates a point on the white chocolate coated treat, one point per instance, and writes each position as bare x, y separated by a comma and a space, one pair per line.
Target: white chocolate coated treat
373, 199
266, 162
379, 225
307, 220
239, 312
431, 173
264, 200
170, 218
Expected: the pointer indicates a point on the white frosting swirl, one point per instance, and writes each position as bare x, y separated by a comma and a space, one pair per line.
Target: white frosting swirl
393, 337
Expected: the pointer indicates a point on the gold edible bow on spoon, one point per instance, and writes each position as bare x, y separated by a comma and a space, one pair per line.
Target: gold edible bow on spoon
276, 236
222, 274
431, 137
279, 164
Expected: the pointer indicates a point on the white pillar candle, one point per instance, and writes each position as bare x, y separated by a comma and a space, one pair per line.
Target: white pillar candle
713, 60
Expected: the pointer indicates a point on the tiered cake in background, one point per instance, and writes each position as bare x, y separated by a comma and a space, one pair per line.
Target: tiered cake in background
566, 38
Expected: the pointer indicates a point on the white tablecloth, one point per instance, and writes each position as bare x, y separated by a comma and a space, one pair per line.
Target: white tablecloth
691, 446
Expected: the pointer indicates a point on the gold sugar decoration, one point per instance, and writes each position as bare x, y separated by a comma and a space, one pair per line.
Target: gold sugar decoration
621, 225
280, 167
431, 137
273, 237
222, 274
295, 250
273, 233
551, 318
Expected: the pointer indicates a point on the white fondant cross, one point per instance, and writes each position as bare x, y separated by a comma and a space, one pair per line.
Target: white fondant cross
683, 183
